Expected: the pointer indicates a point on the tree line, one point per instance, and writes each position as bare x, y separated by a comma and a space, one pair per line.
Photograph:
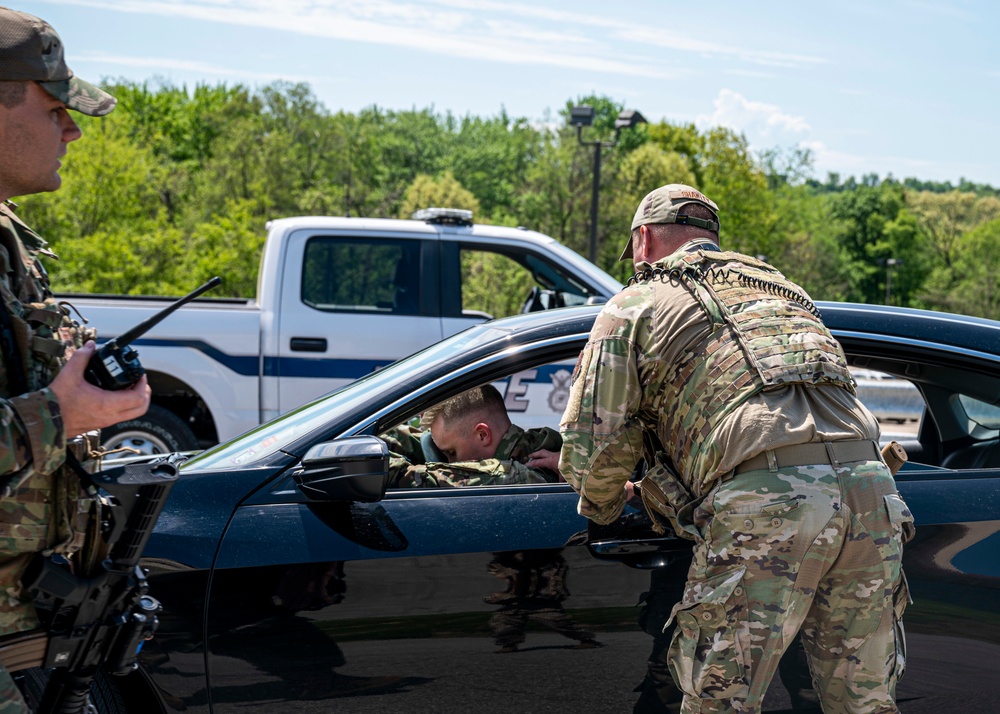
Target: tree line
176, 186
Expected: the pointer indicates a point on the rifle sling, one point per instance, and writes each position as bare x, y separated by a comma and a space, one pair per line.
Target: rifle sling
23, 650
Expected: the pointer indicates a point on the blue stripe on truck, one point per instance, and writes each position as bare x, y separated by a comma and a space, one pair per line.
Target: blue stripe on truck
246, 366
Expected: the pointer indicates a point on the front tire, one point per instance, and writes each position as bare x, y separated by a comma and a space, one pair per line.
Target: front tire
158, 431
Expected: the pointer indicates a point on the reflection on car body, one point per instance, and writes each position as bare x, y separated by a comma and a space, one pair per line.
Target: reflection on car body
275, 600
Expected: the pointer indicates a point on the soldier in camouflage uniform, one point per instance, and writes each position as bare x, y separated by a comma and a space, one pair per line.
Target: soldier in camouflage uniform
478, 445
45, 403
720, 372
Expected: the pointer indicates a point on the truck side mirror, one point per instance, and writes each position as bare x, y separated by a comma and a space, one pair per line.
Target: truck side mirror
355, 468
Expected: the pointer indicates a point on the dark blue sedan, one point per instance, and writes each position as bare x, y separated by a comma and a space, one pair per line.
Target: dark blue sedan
293, 581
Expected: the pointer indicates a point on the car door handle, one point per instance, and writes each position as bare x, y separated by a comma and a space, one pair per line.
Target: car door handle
308, 344
641, 553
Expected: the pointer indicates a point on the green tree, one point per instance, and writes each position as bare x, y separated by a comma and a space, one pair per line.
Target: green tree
683, 139
491, 158
977, 261
731, 178
555, 198
441, 192
642, 170
229, 246
946, 217
864, 213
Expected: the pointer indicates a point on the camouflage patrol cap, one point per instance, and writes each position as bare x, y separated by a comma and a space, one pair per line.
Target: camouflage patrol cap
664, 204
31, 51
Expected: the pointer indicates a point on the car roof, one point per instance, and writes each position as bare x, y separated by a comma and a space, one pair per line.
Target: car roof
958, 331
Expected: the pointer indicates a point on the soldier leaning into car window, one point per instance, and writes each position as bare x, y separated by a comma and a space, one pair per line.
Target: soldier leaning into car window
720, 370
44, 400
478, 446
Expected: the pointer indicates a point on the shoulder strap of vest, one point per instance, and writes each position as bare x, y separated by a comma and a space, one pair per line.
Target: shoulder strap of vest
16, 375
17, 379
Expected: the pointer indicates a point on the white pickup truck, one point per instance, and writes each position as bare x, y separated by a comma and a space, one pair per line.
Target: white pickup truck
336, 299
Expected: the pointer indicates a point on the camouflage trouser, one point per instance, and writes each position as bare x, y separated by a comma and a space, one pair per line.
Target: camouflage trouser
11, 701
508, 624
815, 548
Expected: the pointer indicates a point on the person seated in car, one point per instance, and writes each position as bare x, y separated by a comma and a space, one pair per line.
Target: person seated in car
472, 442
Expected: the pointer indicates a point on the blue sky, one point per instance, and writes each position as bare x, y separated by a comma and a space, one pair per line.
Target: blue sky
908, 87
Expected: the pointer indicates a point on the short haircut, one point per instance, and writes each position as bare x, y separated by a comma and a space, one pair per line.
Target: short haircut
485, 401
13, 93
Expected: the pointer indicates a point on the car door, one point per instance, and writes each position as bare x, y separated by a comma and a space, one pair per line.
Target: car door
941, 404
472, 599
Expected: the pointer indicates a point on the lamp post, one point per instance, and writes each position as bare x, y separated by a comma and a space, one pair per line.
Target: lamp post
584, 116
890, 263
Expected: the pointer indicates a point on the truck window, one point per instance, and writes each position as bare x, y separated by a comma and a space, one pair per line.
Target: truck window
507, 283
493, 284
362, 275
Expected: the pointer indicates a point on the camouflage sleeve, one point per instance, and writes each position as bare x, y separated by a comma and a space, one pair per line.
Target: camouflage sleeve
31, 431
602, 437
404, 441
541, 438
527, 442
488, 472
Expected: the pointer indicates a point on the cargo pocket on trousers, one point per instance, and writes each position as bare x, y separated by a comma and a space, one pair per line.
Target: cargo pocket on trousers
901, 523
900, 599
900, 518
709, 652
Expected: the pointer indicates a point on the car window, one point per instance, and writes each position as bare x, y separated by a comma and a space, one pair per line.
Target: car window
362, 275
895, 402
535, 398
962, 433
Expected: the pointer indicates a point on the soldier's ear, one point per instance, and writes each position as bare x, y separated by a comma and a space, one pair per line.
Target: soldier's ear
483, 433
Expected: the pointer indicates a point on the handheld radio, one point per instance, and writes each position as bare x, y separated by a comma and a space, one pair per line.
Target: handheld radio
115, 365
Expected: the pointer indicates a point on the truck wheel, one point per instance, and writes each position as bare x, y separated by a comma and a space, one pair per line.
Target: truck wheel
157, 432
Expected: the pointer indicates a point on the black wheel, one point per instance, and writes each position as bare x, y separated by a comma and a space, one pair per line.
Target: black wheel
104, 695
157, 432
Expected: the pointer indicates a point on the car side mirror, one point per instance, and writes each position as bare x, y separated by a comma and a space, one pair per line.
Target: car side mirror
355, 468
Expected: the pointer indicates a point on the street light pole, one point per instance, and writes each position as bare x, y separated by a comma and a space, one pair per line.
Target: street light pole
890, 263
594, 195
584, 116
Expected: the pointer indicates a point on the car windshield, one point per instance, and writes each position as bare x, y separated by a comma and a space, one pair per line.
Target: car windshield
274, 436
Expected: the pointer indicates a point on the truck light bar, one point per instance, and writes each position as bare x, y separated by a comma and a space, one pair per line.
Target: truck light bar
444, 216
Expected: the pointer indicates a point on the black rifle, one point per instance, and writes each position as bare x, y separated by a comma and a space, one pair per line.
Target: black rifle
98, 621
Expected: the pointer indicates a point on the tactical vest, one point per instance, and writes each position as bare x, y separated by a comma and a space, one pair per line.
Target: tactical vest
45, 333
765, 332
40, 511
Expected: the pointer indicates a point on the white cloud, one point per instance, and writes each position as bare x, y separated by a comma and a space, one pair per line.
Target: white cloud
509, 33
179, 65
758, 120
659, 38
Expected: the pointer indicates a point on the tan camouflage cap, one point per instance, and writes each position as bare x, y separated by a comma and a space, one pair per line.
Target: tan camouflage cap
30, 50
664, 204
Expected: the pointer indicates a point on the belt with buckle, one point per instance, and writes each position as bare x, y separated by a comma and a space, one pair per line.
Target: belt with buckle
825, 452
